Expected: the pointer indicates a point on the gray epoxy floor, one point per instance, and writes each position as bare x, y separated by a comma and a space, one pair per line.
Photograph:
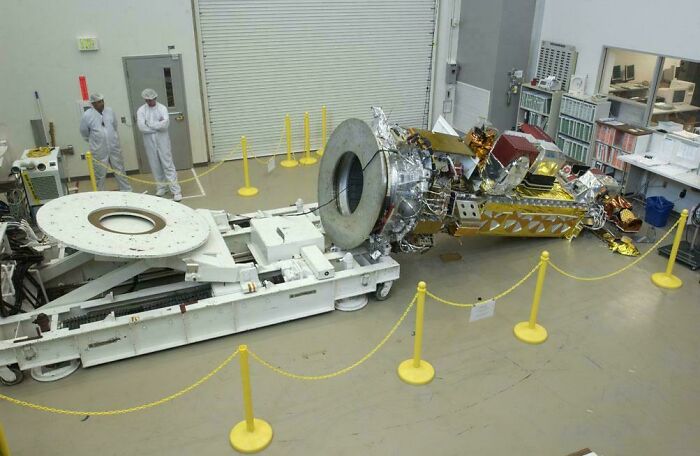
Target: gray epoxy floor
619, 373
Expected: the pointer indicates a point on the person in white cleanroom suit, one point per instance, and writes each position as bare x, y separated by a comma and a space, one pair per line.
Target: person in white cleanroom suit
98, 127
153, 120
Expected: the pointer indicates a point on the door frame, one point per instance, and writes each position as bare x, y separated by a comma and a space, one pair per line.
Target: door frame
132, 113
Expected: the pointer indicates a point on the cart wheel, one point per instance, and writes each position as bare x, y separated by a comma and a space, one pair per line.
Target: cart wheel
383, 290
18, 376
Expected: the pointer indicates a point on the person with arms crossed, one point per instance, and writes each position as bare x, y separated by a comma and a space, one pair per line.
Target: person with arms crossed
153, 120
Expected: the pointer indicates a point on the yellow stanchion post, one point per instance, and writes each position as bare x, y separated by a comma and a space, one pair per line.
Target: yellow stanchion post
246, 190
307, 159
529, 331
667, 279
4, 447
289, 162
322, 149
252, 434
91, 170
417, 371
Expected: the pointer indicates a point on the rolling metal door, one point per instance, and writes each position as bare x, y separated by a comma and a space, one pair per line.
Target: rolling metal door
263, 59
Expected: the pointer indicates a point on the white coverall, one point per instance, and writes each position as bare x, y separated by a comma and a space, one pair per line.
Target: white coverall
153, 123
100, 131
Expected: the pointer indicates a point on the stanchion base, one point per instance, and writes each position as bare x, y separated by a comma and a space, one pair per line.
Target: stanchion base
289, 163
320, 152
663, 280
251, 442
534, 336
308, 161
421, 375
247, 191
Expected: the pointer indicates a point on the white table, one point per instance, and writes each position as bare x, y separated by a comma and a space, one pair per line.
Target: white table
672, 172
677, 108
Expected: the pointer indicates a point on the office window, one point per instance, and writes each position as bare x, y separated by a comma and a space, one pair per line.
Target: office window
676, 99
628, 78
645, 89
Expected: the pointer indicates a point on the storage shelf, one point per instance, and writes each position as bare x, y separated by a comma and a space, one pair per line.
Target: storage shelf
566, 116
535, 111
577, 129
608, 164
539, 107
574, 139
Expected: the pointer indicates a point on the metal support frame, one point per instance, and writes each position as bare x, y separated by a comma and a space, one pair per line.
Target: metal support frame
242, 296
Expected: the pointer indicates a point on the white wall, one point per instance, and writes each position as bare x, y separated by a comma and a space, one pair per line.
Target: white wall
39, 52
629, 24
471, 107
640, 25
443, 97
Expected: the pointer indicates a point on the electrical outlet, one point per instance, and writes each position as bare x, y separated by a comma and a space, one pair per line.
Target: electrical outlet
683, 193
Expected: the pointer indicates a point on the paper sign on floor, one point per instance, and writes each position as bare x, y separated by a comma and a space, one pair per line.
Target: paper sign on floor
271, 165
485, 309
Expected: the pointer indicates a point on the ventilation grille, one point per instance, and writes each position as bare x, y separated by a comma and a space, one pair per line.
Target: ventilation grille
45, 187
557, 60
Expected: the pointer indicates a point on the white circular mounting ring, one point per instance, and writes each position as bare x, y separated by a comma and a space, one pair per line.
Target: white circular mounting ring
160, 228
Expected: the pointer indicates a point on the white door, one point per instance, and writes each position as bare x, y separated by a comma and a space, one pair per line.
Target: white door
264, 59
162, 73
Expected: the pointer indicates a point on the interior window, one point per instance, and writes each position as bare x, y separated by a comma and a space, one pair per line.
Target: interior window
629, 75
648, 89
627, 78
169, 87
676, 99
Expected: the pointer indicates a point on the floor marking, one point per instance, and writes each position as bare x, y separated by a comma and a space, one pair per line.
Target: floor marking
199, 184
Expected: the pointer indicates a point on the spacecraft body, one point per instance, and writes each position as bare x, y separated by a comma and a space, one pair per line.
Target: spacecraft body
395, 187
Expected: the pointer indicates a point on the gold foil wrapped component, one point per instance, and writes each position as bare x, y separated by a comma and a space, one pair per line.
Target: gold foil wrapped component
428, 227
481, 142
501, 220
575, 231
441, 142
547, 168
619, 211
487, 185
623, 245
627, 216
557, 192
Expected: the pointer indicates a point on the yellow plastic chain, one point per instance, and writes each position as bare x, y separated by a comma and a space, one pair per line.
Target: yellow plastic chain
345, 369
152, 182
497, 297
619, 271
272, 157
137, 408
190, 179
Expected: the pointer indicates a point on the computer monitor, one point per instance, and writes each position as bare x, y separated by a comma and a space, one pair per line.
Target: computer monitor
678, 96
629, 72
673, 95
617, 74
669, 74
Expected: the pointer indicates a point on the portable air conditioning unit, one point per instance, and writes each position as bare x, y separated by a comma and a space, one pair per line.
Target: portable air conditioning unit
41, 171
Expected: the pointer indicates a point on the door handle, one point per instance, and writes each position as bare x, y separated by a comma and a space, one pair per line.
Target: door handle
176, 113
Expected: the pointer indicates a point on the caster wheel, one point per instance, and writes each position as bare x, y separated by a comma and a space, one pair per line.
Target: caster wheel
54, 372
11, 375
383, 291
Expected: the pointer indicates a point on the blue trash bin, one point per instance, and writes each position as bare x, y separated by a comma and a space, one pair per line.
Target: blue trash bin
658, 210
